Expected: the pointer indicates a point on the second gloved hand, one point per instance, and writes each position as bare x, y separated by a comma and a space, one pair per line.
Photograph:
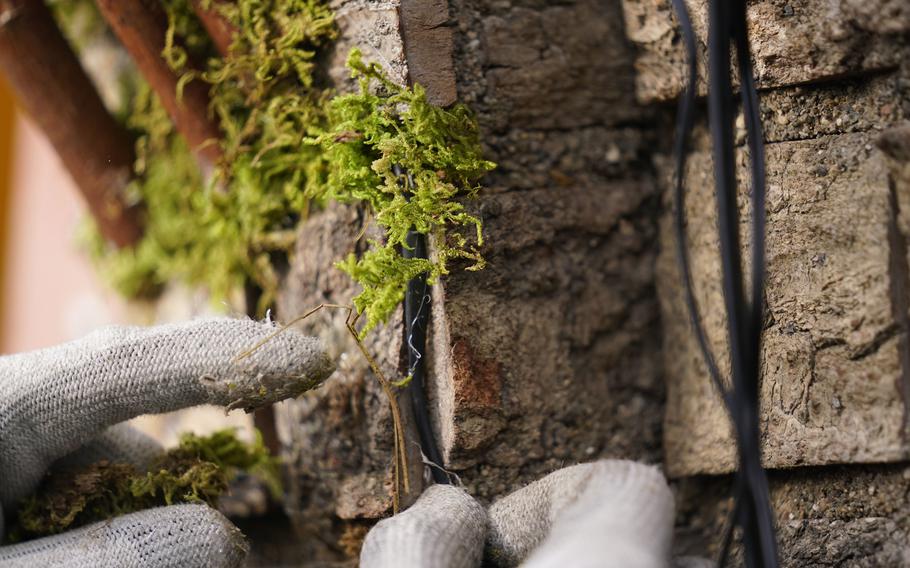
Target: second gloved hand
606, 514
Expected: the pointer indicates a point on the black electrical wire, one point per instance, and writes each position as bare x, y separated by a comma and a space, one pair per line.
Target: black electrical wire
417, 301
416, 316
727, 27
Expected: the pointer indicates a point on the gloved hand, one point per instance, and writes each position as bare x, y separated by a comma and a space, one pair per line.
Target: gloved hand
609, 513
65, 403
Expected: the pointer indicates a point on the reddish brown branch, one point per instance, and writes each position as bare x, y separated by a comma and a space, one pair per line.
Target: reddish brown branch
141, 26
219, 29
51, 86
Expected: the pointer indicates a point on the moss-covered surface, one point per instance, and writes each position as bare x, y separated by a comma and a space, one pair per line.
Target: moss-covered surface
409, 161
289, 145
198, 470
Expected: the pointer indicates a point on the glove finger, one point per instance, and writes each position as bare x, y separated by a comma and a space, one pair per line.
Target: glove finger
119, 443
193, 536
602, 514
54, 400
445, 528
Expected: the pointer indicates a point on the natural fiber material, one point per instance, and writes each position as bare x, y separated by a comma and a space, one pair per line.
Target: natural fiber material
185, 536
445, 528
120, 443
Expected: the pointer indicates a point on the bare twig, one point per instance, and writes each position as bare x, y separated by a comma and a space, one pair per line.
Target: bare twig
219, 29
51, 86
141, 26
402, 478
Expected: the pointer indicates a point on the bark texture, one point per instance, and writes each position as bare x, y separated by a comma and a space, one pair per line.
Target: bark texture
836, 353
548, 356
338, 441
834, 379
557, 352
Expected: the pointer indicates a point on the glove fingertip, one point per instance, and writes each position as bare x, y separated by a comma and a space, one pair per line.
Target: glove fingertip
271, 364
446, 527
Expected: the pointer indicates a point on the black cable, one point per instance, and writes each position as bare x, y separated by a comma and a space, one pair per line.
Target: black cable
727, 26
685, 121
417, 301
416, 315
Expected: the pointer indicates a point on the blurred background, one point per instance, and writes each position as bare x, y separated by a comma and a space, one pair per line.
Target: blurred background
49, 289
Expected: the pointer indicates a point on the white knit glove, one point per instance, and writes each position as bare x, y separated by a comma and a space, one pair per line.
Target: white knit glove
65, 403
604, 514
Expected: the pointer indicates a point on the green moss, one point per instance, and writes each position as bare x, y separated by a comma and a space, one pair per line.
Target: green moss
197, 471
222, 231
409, 161
79, 20
288, 146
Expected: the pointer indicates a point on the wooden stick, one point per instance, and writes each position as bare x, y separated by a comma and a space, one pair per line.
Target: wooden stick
220, 30
141, 26
50, 85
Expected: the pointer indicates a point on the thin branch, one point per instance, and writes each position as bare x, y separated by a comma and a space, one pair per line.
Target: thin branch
49, 83
402, 478
141, 26
219, 29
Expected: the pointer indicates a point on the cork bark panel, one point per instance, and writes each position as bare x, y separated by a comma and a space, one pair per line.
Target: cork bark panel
793, 41
428, 48
832, 376
550, 354
835, 516
373, 27
337, 440
852, 105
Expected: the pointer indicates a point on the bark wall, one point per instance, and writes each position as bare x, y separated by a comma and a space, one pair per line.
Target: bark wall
548, 356
834, 85
556, 352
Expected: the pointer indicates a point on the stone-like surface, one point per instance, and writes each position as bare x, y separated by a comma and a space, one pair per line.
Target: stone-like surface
545, 66
549, 355
831, 365
837, 516
793, 41
337, 441
857, 105
373, 27
428, 48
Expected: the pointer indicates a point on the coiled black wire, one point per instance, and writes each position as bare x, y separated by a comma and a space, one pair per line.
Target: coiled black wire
745, 318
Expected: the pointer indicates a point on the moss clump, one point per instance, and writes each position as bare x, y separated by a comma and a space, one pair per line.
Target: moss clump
197, 471
288, 145
408, 161
222, 231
